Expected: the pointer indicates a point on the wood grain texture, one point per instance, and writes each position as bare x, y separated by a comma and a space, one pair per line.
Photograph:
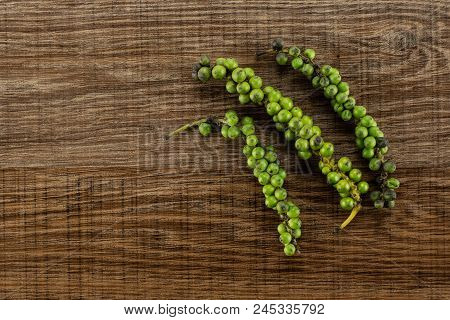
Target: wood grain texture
95, 204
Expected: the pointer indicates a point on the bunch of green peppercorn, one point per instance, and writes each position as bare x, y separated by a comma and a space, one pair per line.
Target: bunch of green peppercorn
266, 168
294, 124
369, 137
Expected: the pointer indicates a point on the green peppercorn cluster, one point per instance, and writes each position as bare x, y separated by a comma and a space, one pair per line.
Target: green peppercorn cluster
271, 176
295, 126
266, 168
369, 138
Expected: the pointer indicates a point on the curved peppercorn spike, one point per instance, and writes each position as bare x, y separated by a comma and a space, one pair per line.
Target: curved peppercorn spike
369, 138
266, 168
290, 120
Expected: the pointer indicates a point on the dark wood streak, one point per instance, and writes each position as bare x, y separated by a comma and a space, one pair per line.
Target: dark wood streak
95, 204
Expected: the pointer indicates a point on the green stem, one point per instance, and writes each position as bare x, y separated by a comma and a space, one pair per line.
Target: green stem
187, 126
351, 216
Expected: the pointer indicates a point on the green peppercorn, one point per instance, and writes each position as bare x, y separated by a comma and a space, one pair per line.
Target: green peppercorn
326, 170
246, 120
294, 51
392, 183
315, 82
277, 44
316, 142
282, 58
261, 164
284, 116
359, 112
330, 91
268, 190
378, 204
297, 112
346, 115
243, 87
333, 178
274, 96
272, 169
219, 72
355, 175
389, 195
342, 186
205, 129
286, 103
350, 103
247, 150
343, 86
268, 89
204, 74
270, 155
231, 87
384, 150
370, 142
277, 181
271, 202
272, 108
361, 132
279, 127
289, 135
285, 238
294, 223
297, 63
307, 69
249, 72
282, 173
367, 121
375, 164
391, 204
244, 98
280, 194
293, 212
281, 228
326, 70
309, 53
341, 97
327, 150
252, 140
282, 207
375, 195
230, 64
376, 132
363, 187
224, 131
205, 61
233, 132
257, 95
264, 177
324, 81
335, 78
389, 167
347, 203
220, 61
231, 118
302, 144
307, 121
294, 124
248, 129
306, 132
251, 162
258, 153
359, 143
305, 155
344, 164
289, 249
238, 75
368, 153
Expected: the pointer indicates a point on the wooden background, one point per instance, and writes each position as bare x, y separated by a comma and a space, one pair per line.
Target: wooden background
95, 204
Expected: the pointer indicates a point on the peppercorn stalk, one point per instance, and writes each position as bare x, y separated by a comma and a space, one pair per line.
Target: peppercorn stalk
290, 120
369, 138
266, 167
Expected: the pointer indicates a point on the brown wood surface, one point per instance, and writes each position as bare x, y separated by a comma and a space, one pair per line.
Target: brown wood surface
95, 204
